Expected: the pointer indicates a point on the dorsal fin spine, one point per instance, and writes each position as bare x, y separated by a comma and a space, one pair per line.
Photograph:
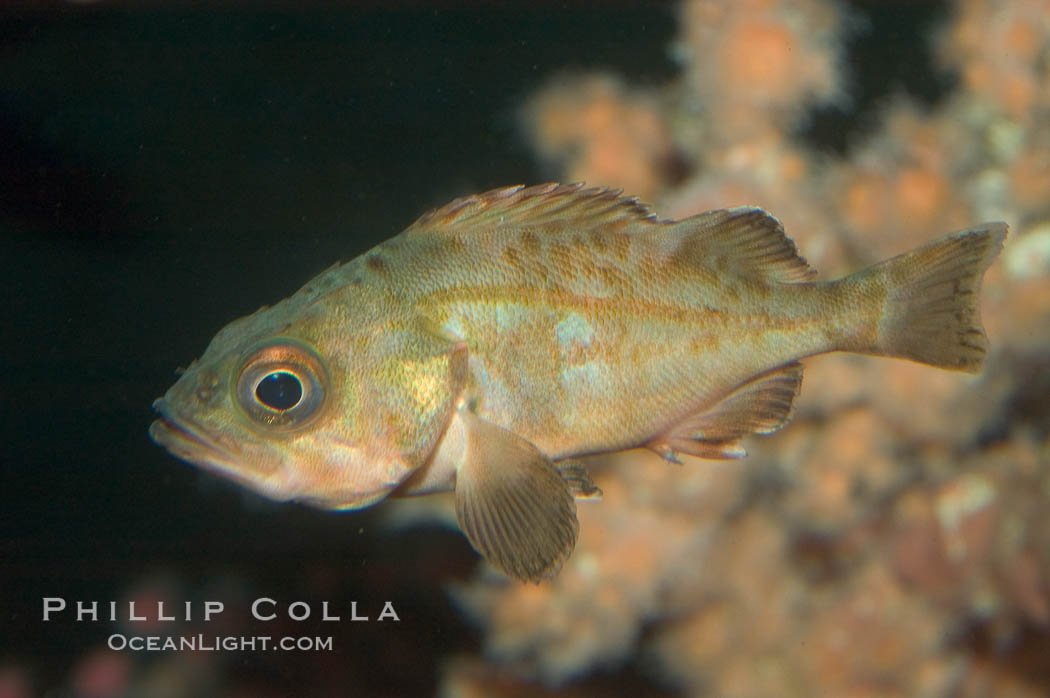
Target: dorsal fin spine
537, 205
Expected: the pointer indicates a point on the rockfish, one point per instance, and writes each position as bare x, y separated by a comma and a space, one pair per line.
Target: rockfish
505, 334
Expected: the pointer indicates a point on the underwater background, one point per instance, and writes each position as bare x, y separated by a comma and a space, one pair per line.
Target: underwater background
167, 167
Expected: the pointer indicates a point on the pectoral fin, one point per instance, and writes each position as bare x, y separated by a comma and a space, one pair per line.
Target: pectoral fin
760, 406
512, 503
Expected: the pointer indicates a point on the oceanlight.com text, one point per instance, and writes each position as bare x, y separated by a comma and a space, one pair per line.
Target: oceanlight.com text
202, 642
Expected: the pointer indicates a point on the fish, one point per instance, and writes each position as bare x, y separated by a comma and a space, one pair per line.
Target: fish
500, 338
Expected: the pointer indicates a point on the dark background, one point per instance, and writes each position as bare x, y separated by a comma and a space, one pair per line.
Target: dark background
165, 170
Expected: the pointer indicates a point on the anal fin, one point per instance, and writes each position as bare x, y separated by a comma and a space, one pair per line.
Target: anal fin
669, 447
760, 406
513, 504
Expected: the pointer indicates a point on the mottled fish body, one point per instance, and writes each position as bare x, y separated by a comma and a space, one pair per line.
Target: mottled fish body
504, 334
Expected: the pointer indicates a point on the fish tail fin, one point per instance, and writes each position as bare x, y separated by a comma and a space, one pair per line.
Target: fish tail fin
930, 312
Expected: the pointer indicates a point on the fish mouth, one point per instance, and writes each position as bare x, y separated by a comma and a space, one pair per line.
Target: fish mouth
247, 465
187, 441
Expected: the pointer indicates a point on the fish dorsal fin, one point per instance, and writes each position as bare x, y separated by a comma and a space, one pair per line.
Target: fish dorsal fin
760, 406
539, 206
745, 241
512, 503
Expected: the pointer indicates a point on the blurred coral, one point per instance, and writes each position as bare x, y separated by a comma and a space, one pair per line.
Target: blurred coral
895, 539
753, 67
15, 682
591, 128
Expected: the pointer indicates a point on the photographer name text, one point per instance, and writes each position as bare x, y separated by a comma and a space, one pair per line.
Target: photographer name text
262, 609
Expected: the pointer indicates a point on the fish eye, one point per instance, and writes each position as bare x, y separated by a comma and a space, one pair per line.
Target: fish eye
281, 384
279, 390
